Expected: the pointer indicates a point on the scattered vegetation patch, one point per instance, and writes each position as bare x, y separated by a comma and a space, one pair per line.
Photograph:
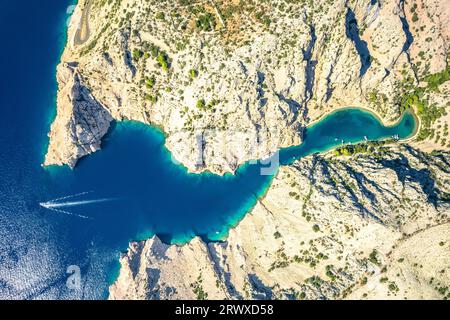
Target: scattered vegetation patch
193, 73
413, 96
315, 281
206, 22
197, 288
137, 54
373, 257
368, 147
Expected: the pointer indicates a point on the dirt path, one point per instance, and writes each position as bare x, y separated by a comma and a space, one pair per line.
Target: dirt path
83, 33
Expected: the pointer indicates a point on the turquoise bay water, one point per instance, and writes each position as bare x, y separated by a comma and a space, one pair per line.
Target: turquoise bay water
144, 192
349, 125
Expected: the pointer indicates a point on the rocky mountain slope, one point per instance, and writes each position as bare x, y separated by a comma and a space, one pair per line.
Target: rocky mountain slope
329, 227
233, 80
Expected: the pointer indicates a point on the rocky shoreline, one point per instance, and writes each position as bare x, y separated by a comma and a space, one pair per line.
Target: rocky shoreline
328, 228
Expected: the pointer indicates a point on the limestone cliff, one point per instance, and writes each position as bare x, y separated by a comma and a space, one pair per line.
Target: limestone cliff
328, 228
81, 122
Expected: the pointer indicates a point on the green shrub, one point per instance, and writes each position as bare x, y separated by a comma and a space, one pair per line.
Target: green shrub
193, 73
201, 104
160, 16
373, 257
150, 82
137, 54
151, 98
206, 22
163, 61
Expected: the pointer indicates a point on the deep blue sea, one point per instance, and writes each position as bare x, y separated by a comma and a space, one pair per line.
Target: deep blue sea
129, 190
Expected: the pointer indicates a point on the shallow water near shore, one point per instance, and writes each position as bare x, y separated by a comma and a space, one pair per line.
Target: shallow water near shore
129, 190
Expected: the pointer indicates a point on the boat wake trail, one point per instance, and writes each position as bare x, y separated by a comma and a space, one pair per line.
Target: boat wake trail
69, 213
70, 197
56, 205
49, 205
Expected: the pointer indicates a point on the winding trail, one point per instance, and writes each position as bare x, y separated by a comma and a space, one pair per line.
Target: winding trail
83, 32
